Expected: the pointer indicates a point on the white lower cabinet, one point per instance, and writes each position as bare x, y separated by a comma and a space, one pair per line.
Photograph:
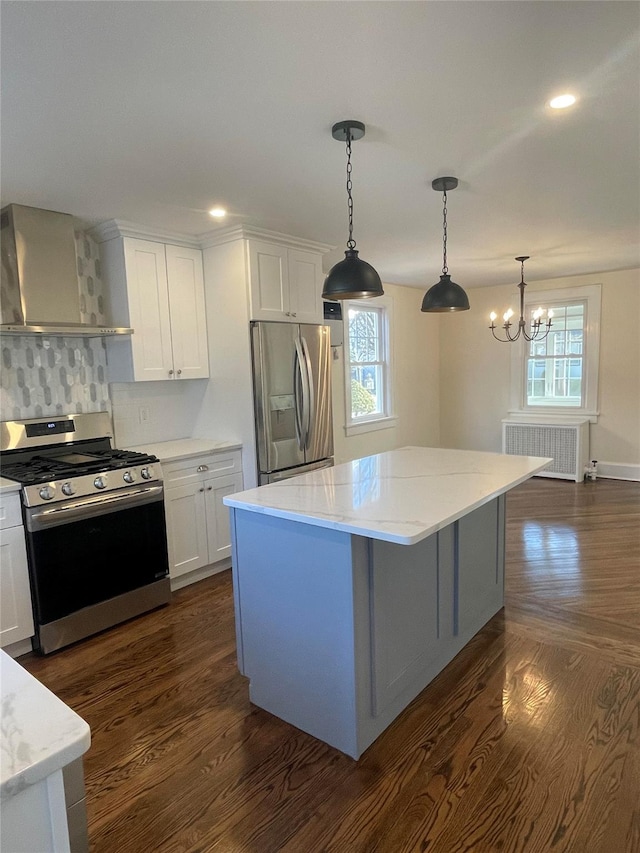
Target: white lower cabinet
197, 521
16, 616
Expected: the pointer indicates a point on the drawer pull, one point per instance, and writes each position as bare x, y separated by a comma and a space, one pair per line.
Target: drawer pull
202, 468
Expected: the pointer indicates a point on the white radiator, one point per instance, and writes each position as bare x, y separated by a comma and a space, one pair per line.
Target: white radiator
566, 442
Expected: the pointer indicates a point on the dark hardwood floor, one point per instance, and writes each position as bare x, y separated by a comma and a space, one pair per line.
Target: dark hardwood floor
528, 741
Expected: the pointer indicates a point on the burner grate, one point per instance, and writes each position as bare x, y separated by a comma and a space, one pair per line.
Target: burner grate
44, 468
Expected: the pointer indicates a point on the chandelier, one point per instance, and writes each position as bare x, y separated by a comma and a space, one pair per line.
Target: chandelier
538, 331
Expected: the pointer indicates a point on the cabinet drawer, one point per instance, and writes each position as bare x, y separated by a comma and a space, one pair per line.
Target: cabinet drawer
10, 512
199, 467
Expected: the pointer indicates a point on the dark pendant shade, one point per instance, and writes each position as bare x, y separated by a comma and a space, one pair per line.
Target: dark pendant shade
352, 279
446, 295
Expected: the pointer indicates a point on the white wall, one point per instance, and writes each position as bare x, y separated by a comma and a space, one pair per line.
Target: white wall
416, 383
475, 369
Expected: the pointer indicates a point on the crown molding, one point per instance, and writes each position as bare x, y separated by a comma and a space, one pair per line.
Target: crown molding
244, 232
113, 228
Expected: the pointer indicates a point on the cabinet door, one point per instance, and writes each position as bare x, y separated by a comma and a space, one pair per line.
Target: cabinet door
186, 528
269, 282
305, 286
218, 531
147, 293
16, 618
187, 311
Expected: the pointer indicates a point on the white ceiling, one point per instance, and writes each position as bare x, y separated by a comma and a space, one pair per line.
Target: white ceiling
153, 111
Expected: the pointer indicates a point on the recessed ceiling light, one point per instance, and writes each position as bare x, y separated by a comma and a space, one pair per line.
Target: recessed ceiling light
218, 212
562, 102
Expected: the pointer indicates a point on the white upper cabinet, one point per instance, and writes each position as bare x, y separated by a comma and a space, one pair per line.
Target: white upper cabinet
158, 290
187, 312
285, 284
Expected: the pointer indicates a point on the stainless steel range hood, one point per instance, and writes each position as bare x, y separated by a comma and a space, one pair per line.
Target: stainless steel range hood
39, 291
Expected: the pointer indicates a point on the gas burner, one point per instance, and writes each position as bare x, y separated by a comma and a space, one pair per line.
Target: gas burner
43, 468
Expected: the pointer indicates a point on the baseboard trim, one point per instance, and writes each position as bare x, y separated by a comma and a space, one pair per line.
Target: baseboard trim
200, 574
616, 471
19, 648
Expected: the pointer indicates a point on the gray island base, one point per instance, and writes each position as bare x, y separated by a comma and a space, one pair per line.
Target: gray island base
339, 631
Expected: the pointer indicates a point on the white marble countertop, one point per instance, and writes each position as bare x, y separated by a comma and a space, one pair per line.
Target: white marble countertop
40, 734
181, 448
7, 486
400, 496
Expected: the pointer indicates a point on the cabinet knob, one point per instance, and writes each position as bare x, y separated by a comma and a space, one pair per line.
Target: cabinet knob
287, 313
179, 372
202, 468
209, 488
201, 490
171, 373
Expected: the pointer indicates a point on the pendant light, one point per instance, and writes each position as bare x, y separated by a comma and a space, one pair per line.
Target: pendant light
538, 331
351, 278
446, 295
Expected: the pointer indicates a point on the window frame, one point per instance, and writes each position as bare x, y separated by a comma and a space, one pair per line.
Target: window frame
591, 296
385, 419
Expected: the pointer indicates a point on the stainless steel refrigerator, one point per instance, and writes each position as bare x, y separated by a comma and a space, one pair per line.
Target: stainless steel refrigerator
292, 398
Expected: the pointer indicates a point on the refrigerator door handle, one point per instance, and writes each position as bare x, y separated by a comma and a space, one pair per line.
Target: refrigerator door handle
311, 396
300, 394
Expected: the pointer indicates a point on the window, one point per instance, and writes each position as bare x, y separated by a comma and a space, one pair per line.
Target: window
554, 365
559, 375
367, 369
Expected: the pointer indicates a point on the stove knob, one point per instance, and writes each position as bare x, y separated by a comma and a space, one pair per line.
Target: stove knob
147, 472
129, 476
68, 489
100, 483
47, 492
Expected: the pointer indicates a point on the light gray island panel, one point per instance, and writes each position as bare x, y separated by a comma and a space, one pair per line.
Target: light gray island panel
295, 619
338, 633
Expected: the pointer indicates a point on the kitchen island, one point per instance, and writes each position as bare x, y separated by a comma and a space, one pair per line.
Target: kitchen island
355, 586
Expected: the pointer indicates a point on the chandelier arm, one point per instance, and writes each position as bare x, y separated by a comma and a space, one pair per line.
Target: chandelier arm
502, 340
511, 337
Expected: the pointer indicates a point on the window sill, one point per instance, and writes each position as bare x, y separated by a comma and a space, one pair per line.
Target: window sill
551, 415
370, 426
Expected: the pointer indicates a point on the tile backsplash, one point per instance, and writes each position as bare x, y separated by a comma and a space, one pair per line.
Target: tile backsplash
52, 376
89, 281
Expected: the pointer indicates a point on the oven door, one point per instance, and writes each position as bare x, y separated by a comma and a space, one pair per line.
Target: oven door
85, 552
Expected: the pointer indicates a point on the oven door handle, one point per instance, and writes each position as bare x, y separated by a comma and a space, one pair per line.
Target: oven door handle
40, 519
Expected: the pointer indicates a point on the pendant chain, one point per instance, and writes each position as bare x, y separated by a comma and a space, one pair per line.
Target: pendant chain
445, 268
351, 243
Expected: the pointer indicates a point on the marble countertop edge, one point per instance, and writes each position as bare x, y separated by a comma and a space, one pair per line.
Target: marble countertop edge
263, 500
40, 734
183, 448
8, 486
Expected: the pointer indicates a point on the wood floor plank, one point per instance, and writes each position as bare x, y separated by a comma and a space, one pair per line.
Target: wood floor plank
528, 741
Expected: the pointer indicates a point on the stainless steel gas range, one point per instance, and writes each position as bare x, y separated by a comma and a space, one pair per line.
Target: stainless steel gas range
94, 525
